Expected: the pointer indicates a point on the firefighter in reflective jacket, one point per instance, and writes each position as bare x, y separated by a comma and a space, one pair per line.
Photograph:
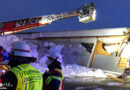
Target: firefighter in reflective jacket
22, 75
53, 79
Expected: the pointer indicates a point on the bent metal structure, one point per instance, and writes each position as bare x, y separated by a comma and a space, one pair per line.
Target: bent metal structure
108, 48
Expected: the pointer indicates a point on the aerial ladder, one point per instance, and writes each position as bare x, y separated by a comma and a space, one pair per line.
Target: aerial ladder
86, 14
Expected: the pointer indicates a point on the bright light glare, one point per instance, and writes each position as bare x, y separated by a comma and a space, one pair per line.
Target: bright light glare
94, 15
126, 51
3, 71
84, 20
43, 21
111, 48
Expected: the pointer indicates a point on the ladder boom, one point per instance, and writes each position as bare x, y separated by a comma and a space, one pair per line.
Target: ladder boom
10, 27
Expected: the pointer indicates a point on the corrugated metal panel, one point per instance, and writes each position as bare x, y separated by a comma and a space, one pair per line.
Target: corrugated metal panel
107, 63
81, 33
98, 32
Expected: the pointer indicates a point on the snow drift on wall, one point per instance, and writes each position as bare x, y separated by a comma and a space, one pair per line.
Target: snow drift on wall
68, 69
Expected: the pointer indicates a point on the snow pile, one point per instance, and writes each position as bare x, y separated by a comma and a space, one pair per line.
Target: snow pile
89, 88
76, 70
7, 40
33, 48
81, 88
68, 70
53, 49
41, 67
73, 70
114, 84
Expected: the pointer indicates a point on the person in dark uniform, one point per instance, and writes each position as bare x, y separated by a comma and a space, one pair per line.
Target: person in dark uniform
53, 79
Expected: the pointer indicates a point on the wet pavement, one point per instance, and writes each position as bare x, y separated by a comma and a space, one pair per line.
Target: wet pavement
92, 83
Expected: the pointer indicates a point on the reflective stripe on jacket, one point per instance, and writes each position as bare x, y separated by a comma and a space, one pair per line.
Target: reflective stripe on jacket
4, 67
59, 78
28, 77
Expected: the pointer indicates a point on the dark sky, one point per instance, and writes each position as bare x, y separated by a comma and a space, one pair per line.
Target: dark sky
110, 13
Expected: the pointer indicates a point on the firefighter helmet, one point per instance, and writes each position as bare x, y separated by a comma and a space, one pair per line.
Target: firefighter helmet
52, 55
21, 49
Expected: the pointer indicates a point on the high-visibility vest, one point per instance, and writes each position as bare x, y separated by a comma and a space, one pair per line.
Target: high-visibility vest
28, 78
51, 77
4, 69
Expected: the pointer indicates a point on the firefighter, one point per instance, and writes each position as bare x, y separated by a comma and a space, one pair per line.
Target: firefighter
53, 79
4, 67
85, 9
22, 75
6, 57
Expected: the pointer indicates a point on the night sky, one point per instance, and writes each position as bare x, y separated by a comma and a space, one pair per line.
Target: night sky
110, 13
